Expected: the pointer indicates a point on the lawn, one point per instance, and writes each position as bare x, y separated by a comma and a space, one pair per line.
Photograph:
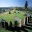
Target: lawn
10, 17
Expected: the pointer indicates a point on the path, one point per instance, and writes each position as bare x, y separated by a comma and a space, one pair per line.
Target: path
3, 13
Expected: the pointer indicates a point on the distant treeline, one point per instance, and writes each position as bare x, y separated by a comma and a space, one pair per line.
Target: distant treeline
16, 8
3, 10
22, 9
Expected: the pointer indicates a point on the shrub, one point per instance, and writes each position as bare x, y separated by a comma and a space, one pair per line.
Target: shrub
9, 12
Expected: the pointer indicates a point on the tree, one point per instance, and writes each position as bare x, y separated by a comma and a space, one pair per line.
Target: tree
26, 5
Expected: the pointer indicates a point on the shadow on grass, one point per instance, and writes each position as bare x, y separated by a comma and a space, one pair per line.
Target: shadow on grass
13, 29
30, 22
28, 25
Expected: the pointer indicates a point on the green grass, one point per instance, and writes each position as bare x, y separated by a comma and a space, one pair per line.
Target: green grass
28, 30
4, 30
10, 17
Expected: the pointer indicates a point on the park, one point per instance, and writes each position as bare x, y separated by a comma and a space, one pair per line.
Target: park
16, 19
11, 17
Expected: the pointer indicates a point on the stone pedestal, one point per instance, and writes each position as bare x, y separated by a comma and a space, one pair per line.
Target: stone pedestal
25, 21
6, 25
20, 23
10, 24
16, 24
3, 24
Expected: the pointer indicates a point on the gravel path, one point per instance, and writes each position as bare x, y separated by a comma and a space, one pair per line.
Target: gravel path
3, 13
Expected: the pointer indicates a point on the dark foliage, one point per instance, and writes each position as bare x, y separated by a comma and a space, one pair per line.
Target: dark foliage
16, 24
26, 5
9, 12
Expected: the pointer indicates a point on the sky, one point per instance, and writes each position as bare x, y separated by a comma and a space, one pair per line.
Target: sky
13, 3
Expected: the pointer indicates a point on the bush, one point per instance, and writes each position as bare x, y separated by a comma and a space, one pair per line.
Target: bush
9, 12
